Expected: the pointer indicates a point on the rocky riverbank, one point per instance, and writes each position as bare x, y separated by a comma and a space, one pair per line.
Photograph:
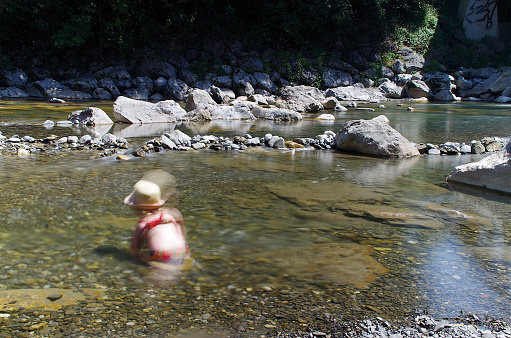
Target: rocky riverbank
231, 71
92, 312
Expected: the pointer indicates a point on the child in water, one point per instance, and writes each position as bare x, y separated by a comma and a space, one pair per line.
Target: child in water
160, 229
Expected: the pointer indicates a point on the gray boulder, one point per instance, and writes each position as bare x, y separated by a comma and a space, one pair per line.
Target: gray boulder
482, 87
374, 137
238, 111
175, 89
302, 99
84, 84
109, 85
391, 90
156, 69
263, 81
492, 172
413, 61
356, 92
13, 78
222, 95
135, 111
199, 98
91, 117
252, 64
143, 82
101, 94
333, 78
222, 81
13, 93
137, 93
445, 95
502, 82
417, 89
54, 89
179, 138
276, 114
118, 74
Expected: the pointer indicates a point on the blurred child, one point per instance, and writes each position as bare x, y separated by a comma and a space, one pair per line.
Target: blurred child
160, 229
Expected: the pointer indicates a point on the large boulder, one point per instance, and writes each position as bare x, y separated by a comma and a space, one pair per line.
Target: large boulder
374, 137
175, 89
334, 78
413, 62
200, 99
276, 114
417, 89
502, 82
13, 78
356, 92
238, 111
135, 111
391, 90
91, 117
492, 172
13, 93
302, 99
263, 81
54, 89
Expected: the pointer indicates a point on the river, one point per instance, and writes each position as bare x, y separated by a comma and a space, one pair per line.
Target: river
293, 231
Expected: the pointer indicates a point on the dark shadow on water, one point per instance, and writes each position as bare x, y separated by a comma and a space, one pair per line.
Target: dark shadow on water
112, 251
491, 195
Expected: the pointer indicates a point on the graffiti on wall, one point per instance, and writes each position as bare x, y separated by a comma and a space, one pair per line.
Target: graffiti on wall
482, 11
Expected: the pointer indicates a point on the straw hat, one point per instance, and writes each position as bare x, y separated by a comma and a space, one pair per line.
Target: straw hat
145, 195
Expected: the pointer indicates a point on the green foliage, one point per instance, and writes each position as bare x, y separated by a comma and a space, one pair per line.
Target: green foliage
122, 25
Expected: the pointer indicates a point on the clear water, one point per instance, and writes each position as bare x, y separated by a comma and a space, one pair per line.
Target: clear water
391, 231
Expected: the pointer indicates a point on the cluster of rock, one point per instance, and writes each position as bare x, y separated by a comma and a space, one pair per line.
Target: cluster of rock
485, 145
107, 144
233, 72
421, 325
177, 140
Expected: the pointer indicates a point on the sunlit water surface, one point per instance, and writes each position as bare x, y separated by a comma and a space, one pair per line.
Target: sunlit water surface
274, 219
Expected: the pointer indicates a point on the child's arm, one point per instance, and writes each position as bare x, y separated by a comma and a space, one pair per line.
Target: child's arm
179, 219
136, 243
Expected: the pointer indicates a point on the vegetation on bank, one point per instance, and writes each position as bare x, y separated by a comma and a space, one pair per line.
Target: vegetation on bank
111, 29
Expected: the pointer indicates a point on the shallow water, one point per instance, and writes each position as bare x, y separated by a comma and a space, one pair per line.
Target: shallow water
390, 232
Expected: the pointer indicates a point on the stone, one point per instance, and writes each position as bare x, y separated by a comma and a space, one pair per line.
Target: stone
417, 89
222, 95
356, 92
413, 62
276, 114
263, 81
302, 99
137, 93
238, 111
84, 84
477, 147
109, 85
502, 82
91, 117
492, 172
156, 69
445, 95
143, 82
101, 94
13, 78
199, 98
13, 93
135, 111
334, 78
491, 144
482, 87
374, 137
391, 90
175, 89
179, 138
52, 88
222, 81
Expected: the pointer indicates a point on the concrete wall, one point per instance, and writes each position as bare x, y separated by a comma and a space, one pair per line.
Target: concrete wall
481, 19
